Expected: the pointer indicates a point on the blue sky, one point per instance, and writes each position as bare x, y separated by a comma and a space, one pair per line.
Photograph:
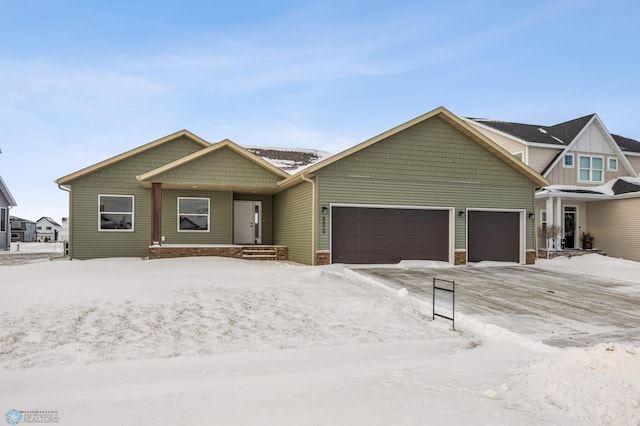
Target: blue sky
83, 81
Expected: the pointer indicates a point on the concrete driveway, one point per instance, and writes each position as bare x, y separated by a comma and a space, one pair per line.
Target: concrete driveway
561, 309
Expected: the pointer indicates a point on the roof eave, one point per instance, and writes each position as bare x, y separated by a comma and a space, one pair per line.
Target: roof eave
68, 178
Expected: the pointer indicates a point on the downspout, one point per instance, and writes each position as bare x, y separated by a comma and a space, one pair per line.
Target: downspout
313, 216
69, 226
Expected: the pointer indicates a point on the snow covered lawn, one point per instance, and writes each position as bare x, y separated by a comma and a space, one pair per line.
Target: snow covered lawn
225, 341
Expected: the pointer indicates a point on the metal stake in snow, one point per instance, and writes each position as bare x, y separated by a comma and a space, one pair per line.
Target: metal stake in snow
444, 293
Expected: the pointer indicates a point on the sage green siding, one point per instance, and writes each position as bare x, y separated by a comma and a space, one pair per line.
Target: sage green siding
428, 164
292, 221
118, 179
267, 213
222, 167
220, 218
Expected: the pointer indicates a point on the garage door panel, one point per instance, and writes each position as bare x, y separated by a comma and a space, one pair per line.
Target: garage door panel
388, 235
493, 235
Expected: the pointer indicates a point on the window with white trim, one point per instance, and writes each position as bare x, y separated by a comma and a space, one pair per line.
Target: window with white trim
612, 164
568, 161
590, 168
193, 214
543, 220
3, 219
115, 212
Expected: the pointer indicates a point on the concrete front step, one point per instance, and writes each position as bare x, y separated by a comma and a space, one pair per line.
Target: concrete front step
260, 253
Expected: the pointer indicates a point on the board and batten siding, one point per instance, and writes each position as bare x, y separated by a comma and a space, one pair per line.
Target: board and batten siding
429, 164
220, 218
619, 237
118, 179
292, 221
222, 167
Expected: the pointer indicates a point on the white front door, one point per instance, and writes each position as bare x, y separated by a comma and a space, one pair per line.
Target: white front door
247, 217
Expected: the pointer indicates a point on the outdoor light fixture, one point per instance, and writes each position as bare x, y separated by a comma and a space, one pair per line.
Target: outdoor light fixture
325, 210
532, 216
461, 213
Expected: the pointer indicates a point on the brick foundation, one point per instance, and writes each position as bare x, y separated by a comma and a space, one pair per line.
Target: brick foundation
236, 252
323, 257
460, 257
531, 257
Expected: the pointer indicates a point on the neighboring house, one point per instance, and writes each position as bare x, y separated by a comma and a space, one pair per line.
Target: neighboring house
22, 230
432, 188
6, 202
594, 188
64, 234
47, 230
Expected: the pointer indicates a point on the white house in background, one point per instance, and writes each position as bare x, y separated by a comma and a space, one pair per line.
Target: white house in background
64, 234
48, 229
6, 202
595, 186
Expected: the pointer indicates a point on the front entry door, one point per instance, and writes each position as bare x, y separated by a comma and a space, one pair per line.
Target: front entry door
570, 227
246, 222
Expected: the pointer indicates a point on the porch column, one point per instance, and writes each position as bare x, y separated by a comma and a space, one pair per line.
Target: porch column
156, 213
550, 222
559, 221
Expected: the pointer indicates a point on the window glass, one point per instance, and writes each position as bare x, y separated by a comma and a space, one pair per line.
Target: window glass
116, 212
585, 162
568, 160
3, 219
591, 168
193, 214
613, 164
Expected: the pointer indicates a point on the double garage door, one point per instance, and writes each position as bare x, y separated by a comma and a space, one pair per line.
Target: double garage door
389, 235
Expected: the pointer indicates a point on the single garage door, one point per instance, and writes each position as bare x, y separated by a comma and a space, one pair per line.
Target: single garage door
388, 235
493, 236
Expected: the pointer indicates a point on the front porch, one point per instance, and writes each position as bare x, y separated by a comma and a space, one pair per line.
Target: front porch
542, 253
250, 252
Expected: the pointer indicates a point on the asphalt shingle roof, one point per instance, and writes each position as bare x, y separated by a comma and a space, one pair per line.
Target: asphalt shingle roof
559, 134
627, 144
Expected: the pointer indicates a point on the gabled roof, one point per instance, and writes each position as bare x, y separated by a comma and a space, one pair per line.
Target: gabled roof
7, 194
450, 118
223, 144
66, 179
51, 221
594, 119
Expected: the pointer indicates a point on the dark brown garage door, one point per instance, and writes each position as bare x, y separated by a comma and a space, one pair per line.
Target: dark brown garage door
493, 236
386, 235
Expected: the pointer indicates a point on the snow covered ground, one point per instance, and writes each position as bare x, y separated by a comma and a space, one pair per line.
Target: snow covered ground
225, 341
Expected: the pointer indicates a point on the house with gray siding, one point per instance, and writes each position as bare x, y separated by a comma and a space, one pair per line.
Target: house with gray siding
595, 182
6, 202
432, 188
22, 230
